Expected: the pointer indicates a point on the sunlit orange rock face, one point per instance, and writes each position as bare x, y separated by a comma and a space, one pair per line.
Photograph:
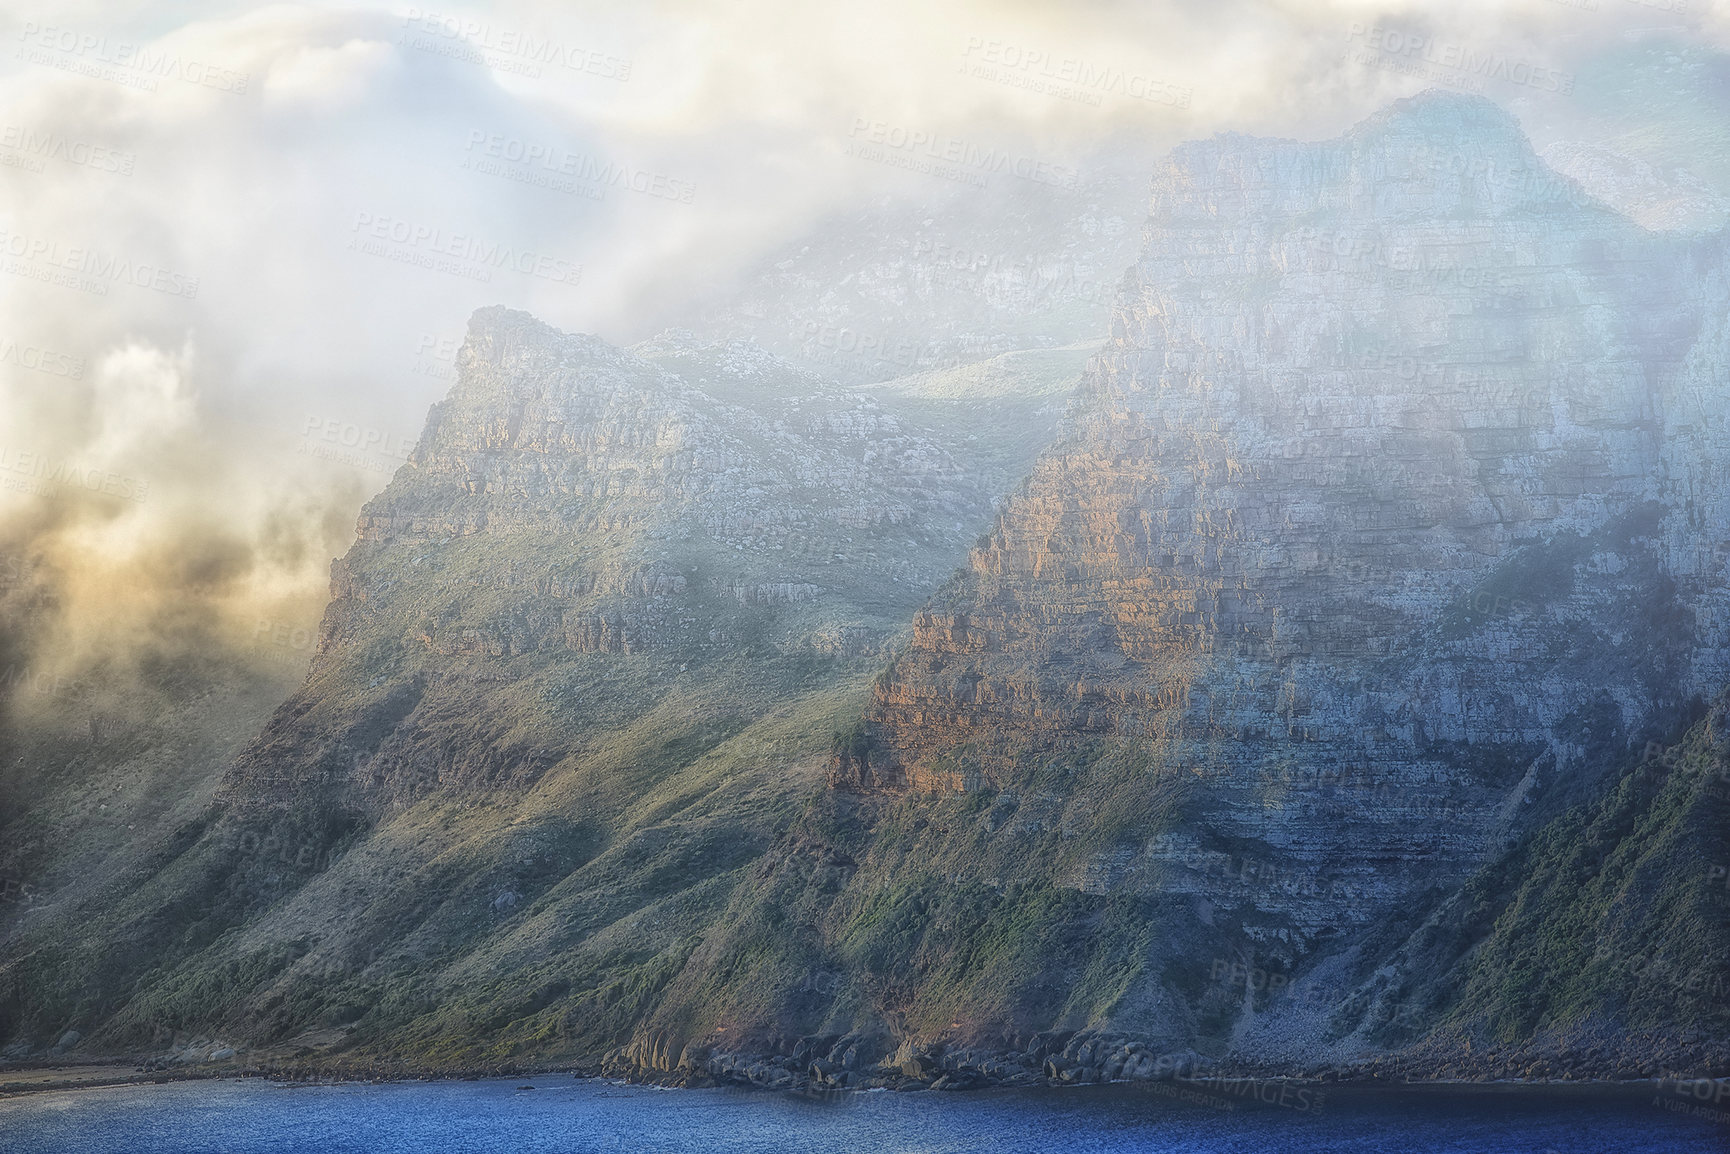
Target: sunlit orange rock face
672, 506
1396, 470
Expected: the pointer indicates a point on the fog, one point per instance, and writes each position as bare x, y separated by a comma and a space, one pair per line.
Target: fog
242, 241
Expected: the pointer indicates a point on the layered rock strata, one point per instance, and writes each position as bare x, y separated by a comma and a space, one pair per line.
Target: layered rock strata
682, 503
1395, 513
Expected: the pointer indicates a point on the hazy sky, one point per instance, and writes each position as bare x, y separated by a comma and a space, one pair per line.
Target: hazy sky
237, 237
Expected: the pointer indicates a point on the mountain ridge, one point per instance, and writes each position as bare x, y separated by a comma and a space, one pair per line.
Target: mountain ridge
1378, 540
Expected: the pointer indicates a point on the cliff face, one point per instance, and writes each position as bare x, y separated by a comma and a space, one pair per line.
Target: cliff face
1391, 525
1291, 712
684, 507
579, 672
1390, 514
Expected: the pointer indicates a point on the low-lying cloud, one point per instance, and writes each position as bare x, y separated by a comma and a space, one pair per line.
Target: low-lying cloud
237, 247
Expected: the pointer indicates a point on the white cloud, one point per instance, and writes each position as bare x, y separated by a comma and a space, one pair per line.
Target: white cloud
305, 193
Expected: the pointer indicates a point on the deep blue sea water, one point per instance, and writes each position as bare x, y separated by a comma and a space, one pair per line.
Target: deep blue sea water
565, 1115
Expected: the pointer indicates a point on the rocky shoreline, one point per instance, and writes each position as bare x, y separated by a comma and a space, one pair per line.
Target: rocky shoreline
1186, 1078
845, 1063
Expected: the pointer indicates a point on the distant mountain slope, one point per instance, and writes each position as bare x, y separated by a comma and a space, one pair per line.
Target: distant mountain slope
900, 288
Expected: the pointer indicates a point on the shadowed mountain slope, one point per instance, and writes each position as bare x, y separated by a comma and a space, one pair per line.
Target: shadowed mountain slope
1288, 713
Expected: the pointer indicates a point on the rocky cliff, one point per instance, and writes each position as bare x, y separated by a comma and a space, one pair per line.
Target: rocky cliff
1331, 695
681, 507
1394, 521
588, 650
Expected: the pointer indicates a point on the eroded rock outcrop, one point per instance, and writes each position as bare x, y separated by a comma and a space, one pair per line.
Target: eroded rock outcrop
675, 506
1287, 721
1394, 517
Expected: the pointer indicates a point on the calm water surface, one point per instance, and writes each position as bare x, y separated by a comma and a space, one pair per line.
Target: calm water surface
570, 1117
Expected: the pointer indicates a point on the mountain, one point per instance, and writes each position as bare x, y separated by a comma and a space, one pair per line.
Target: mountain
1656, 199
1389, 529
1338, 689
587, 653
1599, 944
952, 278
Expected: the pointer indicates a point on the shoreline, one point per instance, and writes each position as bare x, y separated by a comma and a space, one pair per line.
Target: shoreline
107, 1075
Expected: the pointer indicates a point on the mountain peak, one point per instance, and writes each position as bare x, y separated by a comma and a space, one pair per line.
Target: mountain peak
1439, 112
1436, 155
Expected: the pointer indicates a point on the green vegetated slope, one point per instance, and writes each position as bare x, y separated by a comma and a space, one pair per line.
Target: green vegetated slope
1601, 941
639, 731
108, 757
886, 917
578, 678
